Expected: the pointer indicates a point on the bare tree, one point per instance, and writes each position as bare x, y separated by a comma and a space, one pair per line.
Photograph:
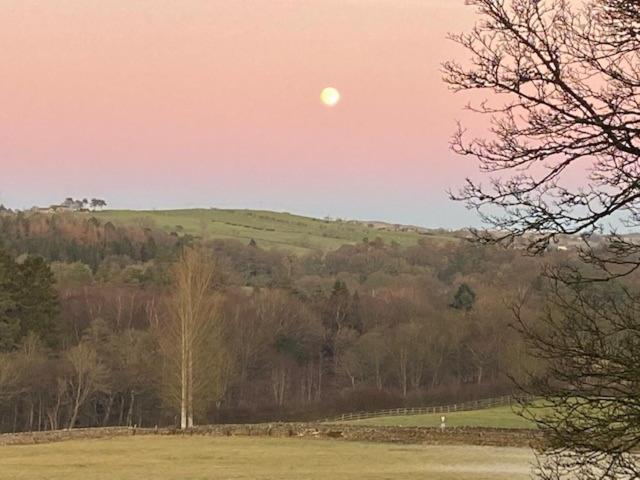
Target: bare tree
190, 339
407, 349
570, 80
565, 79
294, 336
588, 340
372, 348
87, 377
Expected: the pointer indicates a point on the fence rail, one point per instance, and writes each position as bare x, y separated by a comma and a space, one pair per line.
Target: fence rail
503, 401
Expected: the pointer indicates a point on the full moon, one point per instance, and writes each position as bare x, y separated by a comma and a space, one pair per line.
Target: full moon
330, 96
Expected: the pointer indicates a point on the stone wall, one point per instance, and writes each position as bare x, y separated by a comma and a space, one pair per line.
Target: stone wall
28, 438
499, 437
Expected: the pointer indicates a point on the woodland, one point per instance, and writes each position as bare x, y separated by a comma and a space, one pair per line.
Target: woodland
86, 337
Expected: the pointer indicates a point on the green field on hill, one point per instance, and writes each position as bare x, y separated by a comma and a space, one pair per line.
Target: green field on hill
268, 229
242, 458
499, 417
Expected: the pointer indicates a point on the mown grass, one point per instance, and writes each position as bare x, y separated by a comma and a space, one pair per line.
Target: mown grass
499, 417
200, 458
269, 229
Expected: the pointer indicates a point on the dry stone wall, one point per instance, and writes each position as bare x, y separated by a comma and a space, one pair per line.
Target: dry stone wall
28, 438
498, 437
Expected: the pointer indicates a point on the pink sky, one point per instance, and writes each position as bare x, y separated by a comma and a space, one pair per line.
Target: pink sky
159, 103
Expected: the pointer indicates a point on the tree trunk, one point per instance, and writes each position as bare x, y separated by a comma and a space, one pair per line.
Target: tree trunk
319, 388
74, 414
31, 415
39, 412
107, 415
132, 397
279, 377
190, 391
54, 414
183, 379
121, 414
15, 415
403, 372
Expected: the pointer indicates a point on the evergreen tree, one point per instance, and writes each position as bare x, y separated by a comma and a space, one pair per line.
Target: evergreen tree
28, 300
36, 299
464, 298
9, 326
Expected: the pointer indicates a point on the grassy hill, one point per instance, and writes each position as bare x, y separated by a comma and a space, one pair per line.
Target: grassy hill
273, 229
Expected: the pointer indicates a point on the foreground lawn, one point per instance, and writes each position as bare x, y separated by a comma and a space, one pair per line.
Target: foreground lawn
187, 458
500, 417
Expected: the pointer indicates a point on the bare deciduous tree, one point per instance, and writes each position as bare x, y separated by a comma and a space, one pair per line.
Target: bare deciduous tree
190, 338
565, 83
87, 376
588, 340
570, 80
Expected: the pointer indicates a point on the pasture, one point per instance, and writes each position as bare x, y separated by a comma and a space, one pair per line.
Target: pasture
269, 229
498, 417
191, 458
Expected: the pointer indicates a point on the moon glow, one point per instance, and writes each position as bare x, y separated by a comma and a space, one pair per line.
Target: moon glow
330, 96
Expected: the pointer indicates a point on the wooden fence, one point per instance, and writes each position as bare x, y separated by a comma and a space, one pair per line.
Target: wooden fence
455, 407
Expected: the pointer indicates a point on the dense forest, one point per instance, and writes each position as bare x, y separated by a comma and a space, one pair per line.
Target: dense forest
84, 306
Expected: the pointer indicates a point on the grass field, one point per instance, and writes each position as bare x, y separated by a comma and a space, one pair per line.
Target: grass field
269, 229
499, 417
200, 458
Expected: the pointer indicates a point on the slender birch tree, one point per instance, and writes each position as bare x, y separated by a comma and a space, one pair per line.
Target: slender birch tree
190, 340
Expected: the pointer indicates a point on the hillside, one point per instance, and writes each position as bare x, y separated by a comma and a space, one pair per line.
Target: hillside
273, 229
363, 327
